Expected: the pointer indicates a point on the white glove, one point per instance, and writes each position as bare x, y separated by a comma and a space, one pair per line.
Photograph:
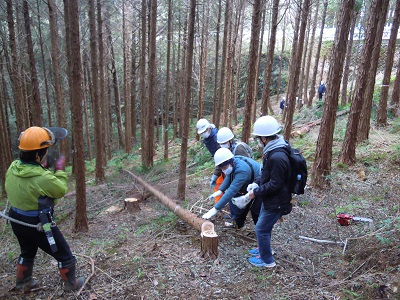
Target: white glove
241, 201
252, 186
212, 212
214, 195
213, 181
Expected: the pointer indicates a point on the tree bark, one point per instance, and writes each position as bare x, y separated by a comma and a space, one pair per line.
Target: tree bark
250, 88
317, 54
348, 151
394, 103
382, 113
365, 117
188, 93
143, 106
76, 85
215, 117
126, 85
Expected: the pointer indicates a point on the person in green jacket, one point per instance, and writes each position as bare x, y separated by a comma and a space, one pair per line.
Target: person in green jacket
32, 191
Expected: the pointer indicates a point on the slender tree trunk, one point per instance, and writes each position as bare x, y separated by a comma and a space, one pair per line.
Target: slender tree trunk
270, 58
349, 52
203, 58
144, 108
317, 54
394, 103
321, 167
168, 80
296, 70
185, 135
348, 151
311, 48
365, 117
14, 72
76, 85
133, 80
152, 80
278, 91
221, 108
382, 114
100, 175
36, 104
216, 97
250, 89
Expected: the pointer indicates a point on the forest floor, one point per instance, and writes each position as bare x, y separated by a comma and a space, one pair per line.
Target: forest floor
152, 254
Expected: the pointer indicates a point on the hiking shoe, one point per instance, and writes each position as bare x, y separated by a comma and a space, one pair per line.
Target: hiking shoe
256, 252
258, 262
231, 224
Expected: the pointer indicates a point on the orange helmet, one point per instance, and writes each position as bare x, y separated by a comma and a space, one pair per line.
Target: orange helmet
35, 138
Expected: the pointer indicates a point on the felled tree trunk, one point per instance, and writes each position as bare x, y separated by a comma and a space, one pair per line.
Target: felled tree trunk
209, 245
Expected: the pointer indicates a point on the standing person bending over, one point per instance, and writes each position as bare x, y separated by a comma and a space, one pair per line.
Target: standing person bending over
273, 190
226, 139
239, 172
32, 191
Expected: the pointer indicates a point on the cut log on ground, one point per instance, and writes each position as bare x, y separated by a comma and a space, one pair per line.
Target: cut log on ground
303, 129
131, 204
185, 215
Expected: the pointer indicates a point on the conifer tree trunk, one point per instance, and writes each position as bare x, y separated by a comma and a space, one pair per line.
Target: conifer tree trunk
16, 82
348, 151
365, 117
317, 54
222, 109
278, 90
296, 62
133, 80
270, 58
216, 116
203, 58
126, 85
188, 85
36, 103
100, 175
144, 108
168, 80
382, 114
395, 102
250, 89
77, 123
152, 82
349, 52
321, 167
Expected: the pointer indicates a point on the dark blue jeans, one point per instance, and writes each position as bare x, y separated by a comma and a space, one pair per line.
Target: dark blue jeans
266, 222
239, 215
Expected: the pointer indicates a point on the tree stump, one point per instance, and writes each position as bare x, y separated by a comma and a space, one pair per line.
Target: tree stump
209, 241
131, 205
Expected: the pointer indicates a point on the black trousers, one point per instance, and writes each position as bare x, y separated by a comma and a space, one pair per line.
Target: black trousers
254, 207
30, 239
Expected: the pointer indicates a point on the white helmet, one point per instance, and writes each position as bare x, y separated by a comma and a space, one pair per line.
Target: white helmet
222, 155
224, 135
202, 125
266, 126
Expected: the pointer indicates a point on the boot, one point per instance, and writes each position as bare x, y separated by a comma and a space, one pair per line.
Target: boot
24, 280
67, 273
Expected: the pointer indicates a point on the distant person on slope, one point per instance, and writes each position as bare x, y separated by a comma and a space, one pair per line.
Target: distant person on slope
321, 90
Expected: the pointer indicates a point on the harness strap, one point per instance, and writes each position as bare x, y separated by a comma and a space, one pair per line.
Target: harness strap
5, 215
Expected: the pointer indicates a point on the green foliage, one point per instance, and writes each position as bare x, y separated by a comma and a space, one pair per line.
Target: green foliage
331, 273
352, 294
395, 127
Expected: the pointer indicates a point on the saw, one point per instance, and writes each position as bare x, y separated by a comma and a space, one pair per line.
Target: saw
346, 219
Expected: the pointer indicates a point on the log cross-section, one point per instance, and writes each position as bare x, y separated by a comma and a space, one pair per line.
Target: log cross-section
210, 246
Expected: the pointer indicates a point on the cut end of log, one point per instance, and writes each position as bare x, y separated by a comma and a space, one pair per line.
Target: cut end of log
131, 204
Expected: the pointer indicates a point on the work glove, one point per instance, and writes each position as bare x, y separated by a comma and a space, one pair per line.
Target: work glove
241, 201
252, 186
60, 164
212, 212
213, 181
214, 195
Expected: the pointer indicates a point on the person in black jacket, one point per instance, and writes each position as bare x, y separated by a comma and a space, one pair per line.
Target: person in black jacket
272, 187
321, 90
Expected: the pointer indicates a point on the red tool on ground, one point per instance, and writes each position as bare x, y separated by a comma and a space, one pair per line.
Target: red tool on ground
346, 219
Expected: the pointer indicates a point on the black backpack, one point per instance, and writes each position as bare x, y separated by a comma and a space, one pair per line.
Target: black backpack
298, 178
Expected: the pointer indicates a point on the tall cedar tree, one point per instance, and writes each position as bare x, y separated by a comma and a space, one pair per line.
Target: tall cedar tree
100, 175
313, 85
152, 83
270, 58
294, 78
349, 52
348, 151
394, 103
185, 131
321, 167
167, 79
382, 114
16, 83
35, 101
215, 95
250, 88
127, 102
365, 118
76, 86
144, 108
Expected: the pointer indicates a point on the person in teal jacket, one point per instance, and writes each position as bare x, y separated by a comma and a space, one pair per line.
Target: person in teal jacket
240, 171
32, 191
